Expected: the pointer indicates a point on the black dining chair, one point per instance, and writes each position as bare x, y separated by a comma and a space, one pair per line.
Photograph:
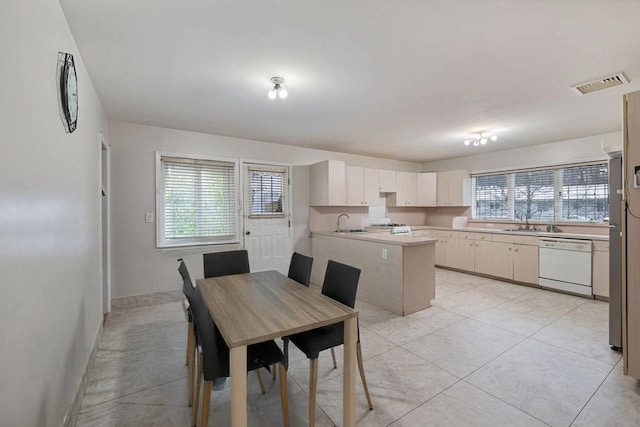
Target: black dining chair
341, 284
300, 271
213, 359
218, 264
300, 268
187, 290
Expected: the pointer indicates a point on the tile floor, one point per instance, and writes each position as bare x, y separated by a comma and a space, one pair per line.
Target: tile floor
487, 353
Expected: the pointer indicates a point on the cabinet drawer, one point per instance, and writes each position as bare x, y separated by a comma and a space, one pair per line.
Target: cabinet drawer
476, 236
505, 238
526, 240
601, 245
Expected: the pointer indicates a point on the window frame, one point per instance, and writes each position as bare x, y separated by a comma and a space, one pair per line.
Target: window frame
285, 193
558, 194
161, 241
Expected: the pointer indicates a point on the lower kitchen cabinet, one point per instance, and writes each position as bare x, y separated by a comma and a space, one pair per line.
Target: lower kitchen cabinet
502, 260
452, 252
483, 257
467, 251
525, 263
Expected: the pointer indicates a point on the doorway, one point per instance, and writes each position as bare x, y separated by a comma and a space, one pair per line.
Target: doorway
266, 216
105, 219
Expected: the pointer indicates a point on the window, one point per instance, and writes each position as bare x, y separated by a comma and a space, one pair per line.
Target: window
570, 193
491, 196
196, 202
267, 190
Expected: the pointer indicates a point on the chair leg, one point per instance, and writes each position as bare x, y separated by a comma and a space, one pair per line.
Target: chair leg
284, 394
273, 372
191, 350
196, 396
285, 351
313, 387
364, 379
333, 356
206, 400
262, 389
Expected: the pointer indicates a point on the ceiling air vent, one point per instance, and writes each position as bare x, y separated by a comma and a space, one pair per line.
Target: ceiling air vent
600, 84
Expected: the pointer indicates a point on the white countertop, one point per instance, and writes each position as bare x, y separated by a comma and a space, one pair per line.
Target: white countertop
558, 235
381, 237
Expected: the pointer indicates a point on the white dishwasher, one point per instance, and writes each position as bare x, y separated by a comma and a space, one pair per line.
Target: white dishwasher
565, 264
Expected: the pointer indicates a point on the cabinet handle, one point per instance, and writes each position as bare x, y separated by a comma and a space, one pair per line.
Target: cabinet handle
509, 248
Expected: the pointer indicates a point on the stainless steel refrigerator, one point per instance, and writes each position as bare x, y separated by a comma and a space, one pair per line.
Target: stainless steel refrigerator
615, 251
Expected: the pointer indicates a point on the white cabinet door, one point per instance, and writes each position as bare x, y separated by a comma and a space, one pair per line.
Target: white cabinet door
371, 195
327, 184
483, 257
387, 181
407, 183
454, 188
502, 260
600, 277
426, 191
467, 255
525, 263
355, 186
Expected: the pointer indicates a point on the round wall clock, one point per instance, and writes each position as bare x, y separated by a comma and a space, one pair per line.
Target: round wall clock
68, 91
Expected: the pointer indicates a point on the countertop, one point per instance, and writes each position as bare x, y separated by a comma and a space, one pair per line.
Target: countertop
381, 237
558, 235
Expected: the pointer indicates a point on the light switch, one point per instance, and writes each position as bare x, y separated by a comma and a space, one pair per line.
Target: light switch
384, 253
148, 217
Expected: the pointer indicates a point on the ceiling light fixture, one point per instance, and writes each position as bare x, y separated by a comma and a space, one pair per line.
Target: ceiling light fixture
278, 90
480, 138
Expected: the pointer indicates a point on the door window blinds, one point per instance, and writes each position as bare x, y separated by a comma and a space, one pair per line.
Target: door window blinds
198, 202
266, 191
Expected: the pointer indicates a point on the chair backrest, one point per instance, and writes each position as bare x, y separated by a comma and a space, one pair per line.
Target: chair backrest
187, 283
225, 263
341, 282
215, 353
300, 268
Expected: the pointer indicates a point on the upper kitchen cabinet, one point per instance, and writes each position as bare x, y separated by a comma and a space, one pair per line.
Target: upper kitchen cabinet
426, 191
387, 181
454, 188
327, 184
362, 186
406, 190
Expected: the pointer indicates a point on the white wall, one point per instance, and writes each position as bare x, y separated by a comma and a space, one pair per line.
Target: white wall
51, 297
561, 152
137, 266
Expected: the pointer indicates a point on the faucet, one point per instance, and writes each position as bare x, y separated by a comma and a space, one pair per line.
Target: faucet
340, 216
526, 221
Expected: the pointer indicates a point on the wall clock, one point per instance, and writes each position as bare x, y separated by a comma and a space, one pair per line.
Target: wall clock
68, 91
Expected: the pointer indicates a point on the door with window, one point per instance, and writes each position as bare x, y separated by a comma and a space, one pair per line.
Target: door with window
265, 214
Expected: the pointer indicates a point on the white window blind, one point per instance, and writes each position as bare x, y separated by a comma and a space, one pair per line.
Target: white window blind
567, 193
534, 195
585, 193
490, 199
197, 202
267, 191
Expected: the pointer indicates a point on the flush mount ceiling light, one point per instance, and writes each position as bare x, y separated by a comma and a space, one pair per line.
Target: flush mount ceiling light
480, 138
278, 90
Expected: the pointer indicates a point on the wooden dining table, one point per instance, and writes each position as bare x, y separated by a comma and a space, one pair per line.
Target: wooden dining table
256, 307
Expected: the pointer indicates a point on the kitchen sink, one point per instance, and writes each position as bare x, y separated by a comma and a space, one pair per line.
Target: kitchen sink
353, 230
530, 230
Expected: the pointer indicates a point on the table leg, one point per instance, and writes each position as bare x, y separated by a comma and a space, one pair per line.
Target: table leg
238, 368
349, 374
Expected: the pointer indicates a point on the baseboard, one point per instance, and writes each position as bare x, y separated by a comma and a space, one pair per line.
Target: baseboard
71, 416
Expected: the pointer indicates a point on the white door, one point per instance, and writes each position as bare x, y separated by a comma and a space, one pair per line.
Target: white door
266, 218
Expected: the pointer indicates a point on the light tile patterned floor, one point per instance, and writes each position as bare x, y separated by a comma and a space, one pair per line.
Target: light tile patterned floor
487, 353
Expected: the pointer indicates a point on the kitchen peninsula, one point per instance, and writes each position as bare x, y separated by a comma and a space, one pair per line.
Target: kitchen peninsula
398, 271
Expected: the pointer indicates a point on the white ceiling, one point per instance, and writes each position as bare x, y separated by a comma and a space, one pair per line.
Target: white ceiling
407, 80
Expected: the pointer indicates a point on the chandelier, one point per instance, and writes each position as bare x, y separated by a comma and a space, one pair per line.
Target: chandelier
278, 90
480, 138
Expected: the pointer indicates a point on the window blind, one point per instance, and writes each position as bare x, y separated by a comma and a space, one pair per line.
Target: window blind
585, 193
199, 201
490, 199
534, 195
267, 191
